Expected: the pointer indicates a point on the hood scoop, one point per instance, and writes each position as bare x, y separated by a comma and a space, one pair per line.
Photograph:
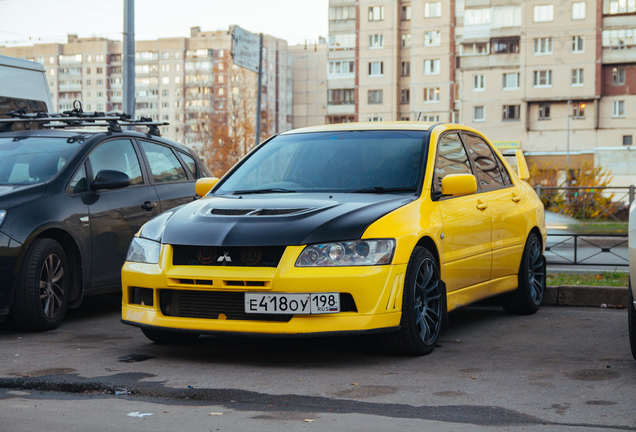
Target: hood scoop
257, 212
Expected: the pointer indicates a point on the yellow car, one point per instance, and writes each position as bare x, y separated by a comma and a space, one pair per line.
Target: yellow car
349, 228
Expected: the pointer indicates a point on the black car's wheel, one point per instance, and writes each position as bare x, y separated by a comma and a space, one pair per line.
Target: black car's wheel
42, 292
168, 337
526, 299
631, 319
422, 306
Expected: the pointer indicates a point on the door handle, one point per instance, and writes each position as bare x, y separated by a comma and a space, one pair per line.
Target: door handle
148, 205
515, 198
481, 205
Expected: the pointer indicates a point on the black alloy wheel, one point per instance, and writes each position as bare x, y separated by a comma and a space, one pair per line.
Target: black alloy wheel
42, 293
422, 306
526, 299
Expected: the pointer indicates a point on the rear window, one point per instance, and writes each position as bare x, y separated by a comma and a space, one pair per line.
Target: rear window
29, 160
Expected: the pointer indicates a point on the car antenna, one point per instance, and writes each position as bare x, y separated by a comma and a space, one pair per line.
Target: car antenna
418, 116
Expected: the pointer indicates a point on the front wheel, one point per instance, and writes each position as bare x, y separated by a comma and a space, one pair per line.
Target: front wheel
422, 306
631, 319
168, 337
526, 299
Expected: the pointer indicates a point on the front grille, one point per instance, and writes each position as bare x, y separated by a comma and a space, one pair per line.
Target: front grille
249, 256
210, 305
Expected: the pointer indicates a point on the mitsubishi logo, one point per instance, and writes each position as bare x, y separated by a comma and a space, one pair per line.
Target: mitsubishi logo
225, 257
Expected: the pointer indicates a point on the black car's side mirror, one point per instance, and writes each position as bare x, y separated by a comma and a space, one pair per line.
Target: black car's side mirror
110, 179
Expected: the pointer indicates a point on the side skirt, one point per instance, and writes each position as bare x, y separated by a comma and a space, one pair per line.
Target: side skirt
471, 294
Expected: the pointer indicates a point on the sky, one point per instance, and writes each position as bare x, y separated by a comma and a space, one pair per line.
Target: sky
25, 22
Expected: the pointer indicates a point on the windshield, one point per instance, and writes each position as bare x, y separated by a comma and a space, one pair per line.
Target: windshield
355, 161
29, 160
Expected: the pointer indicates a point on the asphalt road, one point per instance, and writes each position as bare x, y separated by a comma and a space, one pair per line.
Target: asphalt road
562, 369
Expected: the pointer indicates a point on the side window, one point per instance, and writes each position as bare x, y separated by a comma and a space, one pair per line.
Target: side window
118, 155
164, 164
487, 170
79, 184
190, 163
451, 159
504, 172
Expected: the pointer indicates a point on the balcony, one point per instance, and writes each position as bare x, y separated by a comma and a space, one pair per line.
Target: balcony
485, 61
619, 55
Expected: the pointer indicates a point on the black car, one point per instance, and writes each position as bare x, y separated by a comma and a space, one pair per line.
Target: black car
70, 203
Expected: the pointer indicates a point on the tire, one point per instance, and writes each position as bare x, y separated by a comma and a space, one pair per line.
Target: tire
422, 306
526, 299
42, 293
168, 337
631, 319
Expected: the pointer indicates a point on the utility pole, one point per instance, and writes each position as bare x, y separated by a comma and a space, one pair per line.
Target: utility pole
258, 96
129, 59
567, 152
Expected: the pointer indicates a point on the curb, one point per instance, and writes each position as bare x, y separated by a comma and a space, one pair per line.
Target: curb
583, 295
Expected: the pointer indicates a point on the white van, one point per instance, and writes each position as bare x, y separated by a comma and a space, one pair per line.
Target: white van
23, 85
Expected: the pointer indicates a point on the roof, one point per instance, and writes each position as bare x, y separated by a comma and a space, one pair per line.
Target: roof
362, 126
19, 63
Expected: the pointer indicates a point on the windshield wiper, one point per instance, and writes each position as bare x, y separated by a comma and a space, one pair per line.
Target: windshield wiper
262, 191
380, 189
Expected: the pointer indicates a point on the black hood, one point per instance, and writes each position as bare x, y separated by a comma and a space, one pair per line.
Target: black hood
14, 195
278, 219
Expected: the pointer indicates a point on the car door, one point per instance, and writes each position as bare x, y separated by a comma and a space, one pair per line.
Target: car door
170, 179
117, 214
507, 207
467, 248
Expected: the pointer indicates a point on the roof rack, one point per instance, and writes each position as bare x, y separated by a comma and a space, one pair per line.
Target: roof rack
78, 118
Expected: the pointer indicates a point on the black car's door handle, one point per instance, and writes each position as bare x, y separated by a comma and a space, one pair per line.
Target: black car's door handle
148, 205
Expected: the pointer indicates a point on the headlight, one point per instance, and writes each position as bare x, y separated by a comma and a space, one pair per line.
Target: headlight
351, 253
142, 250
3, 214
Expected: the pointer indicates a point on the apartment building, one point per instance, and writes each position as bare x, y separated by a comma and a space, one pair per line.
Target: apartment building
309, 83
183, 81
556, 79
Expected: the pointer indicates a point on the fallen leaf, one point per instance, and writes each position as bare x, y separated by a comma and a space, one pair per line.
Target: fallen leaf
355, 383
309, 420
219, 413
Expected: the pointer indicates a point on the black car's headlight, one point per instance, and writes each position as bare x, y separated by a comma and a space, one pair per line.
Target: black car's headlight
348, 253
142, 250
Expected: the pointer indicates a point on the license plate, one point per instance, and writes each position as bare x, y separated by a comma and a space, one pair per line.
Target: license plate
301, 304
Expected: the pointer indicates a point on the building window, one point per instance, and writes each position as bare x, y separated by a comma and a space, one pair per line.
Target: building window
406, 13
344, 67
506, 16
578, 44
342, 13
508, 45
432, 10
341, 97
627, 140
375, 119
431, 94
618, 76
165, 68
100, 94
577, 77
342, 41
479, 114
432, 38
619, 39
542, 78
511, 81
177, 80
511, 112
618, 7
430, 118
479, 82
406, 40
165, 104
375, 97
578, 10
542, 46
405, 96
88, 71
339, 119
431, 67
376, 13
376, 41
100, 70
406, 69
543, 13
100, 82
165, 80
544, 111
477, 16
474, 48
165, 93
376, 68
404, 118
578, 110
618, 109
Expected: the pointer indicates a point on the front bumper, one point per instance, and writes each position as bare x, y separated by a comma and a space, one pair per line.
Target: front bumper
376, 292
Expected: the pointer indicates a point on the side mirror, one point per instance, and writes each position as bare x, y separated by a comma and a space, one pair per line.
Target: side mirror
110, 179
204, 185
459, 184
522, 166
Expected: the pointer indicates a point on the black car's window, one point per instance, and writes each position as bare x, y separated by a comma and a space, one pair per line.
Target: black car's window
117, 155
451, 159
27, 160
350, 161
190, 163
487, 169
79, 184
164, 164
